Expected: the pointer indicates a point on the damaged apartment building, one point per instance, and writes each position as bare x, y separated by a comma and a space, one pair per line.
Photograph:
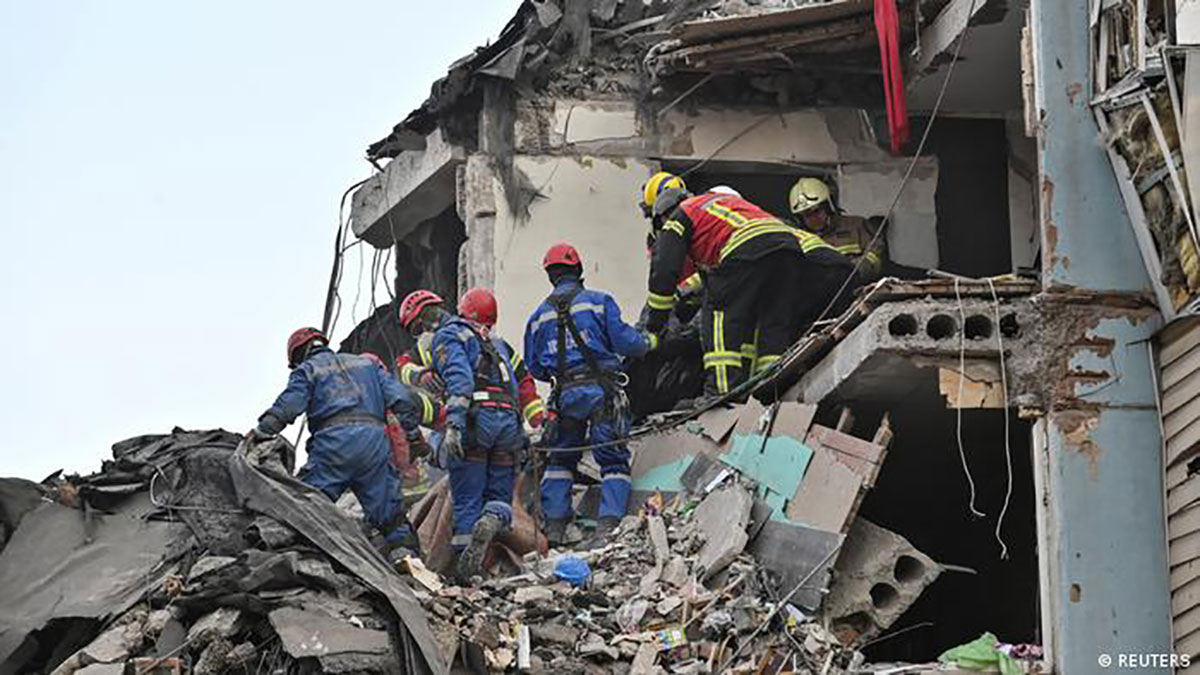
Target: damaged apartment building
989, 459
1022, 382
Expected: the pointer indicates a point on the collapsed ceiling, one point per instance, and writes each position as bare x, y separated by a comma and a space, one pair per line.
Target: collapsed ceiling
798, 52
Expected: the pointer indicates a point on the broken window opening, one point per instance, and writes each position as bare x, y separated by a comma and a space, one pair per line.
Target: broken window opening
922, 495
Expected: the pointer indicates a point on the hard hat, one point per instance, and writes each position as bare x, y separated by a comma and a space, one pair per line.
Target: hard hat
561, 254
478, 305
725, 190
299, 341
413, 303
655, 186
807, 194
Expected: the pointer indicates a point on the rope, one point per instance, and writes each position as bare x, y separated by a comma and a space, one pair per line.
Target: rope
1007, 445
962, 375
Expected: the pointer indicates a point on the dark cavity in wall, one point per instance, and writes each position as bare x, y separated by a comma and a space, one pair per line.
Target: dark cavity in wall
922, 494
427, 258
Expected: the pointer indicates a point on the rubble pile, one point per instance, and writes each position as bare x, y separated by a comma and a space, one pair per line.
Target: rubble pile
185, 555
663, 595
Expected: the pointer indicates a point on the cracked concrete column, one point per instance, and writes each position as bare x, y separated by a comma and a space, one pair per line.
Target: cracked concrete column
1101, 526
476, 206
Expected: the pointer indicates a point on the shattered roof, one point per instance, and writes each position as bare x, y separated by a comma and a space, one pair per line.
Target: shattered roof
606, 48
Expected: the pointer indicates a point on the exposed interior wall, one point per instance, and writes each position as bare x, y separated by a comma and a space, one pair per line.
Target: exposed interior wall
1025, 238
588, 202
923, 495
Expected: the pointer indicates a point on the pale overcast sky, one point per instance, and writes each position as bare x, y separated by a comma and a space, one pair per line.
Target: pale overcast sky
169, 180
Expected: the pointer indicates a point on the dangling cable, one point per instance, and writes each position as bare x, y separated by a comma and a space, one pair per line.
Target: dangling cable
1007, 446
962, 375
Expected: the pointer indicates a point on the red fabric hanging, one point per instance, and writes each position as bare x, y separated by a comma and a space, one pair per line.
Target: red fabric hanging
887, 27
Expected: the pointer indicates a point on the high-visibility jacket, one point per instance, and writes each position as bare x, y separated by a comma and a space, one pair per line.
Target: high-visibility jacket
708, 230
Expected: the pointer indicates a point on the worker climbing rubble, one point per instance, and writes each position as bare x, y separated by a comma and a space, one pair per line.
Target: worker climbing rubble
576, 339
346, 398
483, 433
745, 255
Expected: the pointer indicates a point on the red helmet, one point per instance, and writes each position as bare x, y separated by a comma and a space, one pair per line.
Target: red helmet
561, 254
413, 303
301, 339
478, 305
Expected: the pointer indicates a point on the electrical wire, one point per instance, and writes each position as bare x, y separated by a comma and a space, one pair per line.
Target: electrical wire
1007, 444
962, 376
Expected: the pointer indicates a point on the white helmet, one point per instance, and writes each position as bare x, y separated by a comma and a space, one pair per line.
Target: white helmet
725, 190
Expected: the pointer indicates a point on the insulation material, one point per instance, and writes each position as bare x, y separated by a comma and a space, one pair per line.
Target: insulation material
868, 190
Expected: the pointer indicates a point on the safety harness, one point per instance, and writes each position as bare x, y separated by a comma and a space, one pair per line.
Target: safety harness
592, 373
486, 394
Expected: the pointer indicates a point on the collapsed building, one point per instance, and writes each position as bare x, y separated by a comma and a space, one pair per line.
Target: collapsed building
1007, 447
1057, 148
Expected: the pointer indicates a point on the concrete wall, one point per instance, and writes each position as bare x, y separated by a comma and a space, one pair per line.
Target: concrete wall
587, 201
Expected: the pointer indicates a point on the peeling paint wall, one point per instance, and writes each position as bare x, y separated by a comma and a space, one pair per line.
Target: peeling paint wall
587, 201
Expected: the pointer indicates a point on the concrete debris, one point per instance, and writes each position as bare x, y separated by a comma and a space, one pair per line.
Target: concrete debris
203, 588
878, 576
645, 609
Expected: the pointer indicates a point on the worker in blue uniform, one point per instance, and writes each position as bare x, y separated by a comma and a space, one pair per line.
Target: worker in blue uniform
484, 434
576, 339
346, 398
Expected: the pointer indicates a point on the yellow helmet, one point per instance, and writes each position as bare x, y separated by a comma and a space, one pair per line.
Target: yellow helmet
655, 186
807, 194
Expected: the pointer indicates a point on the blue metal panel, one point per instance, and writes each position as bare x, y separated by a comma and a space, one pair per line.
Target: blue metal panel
1106, 492
1119, 348
1086, 237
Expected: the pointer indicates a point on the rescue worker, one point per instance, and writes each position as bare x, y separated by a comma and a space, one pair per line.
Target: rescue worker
575, 339
414, 475
346, 398
745, 255
483, 426
477, 305
813, 210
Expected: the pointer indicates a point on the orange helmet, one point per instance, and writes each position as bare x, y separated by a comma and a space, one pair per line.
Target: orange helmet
478, 305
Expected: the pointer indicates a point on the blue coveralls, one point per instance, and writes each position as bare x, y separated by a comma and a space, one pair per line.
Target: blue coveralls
481, 402
585, 416
346, 397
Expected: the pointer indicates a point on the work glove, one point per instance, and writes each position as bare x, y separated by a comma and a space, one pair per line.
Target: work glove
257, 435
656, 319
269, 425
418, 447
452, 446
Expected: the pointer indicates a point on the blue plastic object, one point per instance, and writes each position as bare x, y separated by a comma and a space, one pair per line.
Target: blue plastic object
573, 570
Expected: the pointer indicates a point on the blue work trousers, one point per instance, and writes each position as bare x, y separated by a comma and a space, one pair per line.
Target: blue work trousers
482, 482
584, 419
357, 457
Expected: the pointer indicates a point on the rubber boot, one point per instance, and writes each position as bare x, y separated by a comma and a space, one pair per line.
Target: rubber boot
556, 532
470, 561
605, 527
